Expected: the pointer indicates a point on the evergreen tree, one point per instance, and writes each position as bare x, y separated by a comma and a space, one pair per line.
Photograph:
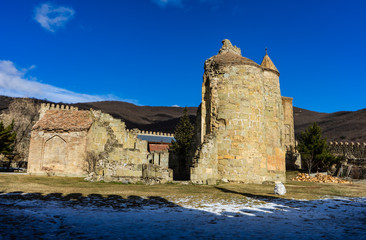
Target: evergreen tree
7, 138
183, 135
313, 148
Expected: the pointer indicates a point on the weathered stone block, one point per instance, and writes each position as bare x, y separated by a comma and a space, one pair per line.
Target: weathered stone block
211, 181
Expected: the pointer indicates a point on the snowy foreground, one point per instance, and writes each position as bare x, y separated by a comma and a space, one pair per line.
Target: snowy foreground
33, 216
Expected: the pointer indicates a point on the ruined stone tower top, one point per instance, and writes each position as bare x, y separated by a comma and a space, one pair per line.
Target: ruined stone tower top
228, 47
267, 63
230, 55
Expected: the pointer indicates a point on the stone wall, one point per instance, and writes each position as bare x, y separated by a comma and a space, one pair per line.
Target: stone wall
273, 122
349, 150
57, 153
289, 133
122, 156
109, 138
293, 158
205, 164
131, 173
160, 158
354, 158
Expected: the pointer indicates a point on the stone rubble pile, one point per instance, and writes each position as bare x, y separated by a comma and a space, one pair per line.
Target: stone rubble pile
319, 178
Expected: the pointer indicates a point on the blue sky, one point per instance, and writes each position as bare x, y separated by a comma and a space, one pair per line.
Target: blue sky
151, 52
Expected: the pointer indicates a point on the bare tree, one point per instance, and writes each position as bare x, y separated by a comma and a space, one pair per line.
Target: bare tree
91, 161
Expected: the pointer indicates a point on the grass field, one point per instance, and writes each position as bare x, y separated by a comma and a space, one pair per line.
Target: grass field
67, 186
34, 207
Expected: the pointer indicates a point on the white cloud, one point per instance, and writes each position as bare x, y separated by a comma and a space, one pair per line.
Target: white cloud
175, 106
32, 67
52, 17
164, 3
13, 83
179, 3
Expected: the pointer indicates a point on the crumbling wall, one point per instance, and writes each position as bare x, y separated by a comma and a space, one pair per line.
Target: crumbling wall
205, 163
354, 158
152, 172
109, 138
131, 173
121, 156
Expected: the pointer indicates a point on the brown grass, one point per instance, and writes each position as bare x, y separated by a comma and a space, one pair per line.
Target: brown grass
226, 191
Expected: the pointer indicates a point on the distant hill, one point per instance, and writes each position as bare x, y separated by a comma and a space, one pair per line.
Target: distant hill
4, 102
163, 119
338, 126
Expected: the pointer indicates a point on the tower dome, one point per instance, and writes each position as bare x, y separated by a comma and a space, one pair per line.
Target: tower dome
267, 63
231, 55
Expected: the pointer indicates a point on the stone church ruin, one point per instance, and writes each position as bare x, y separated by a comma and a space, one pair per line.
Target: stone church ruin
244, 128
71, 142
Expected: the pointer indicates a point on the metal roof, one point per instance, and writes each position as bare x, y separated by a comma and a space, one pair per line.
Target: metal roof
157, 139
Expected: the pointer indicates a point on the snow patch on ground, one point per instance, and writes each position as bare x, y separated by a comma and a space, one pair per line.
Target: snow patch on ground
27, 216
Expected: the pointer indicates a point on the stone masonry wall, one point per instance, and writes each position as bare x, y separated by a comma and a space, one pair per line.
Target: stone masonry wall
110, 138
293, 158
121, 155
241, 133
273, 122
289, 133
57, 153
354, 158
205, 164
160, 158
132, 173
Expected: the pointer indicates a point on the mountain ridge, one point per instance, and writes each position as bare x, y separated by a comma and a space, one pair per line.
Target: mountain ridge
337, 126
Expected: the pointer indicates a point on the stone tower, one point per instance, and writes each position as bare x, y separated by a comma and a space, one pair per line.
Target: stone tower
241, 120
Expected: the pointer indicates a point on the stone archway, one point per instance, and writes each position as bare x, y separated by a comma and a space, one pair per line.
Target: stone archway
54, 154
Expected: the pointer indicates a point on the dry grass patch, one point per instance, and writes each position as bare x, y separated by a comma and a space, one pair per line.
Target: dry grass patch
228, 191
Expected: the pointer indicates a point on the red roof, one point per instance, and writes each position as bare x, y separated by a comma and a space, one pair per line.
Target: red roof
158, 147
64, 120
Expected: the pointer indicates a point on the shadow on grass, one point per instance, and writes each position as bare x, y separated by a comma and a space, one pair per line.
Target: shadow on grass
97, 200
74, 216
281, 204
290, 205
260, 197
